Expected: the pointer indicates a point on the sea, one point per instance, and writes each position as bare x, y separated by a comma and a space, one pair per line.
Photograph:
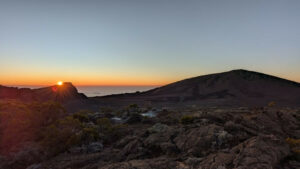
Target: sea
92, 91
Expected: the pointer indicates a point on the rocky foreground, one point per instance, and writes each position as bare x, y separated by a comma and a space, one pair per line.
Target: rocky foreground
240, 138
46, 128
57, 127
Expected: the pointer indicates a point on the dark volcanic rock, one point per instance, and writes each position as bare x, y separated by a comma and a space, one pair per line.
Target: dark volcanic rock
201, 141
233, 88
217, 139
258, 152
64, 93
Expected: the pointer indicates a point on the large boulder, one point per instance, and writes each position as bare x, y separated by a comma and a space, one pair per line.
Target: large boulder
132, 150
265, 151
200, 141
159, 128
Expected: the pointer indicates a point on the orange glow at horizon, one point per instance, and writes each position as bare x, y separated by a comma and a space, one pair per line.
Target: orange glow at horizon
85, 81
94, 79
91, 82
59, 83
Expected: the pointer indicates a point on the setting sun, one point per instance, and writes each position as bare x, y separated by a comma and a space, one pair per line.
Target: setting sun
59, 83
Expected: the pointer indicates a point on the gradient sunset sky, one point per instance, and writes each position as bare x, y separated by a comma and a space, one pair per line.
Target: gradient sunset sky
145, 42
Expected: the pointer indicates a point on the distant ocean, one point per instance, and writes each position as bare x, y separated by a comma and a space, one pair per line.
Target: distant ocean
91, 91
108, 90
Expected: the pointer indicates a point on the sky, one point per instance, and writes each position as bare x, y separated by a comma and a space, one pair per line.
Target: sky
145, 42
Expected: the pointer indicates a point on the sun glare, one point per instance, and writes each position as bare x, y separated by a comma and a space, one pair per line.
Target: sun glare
59, 83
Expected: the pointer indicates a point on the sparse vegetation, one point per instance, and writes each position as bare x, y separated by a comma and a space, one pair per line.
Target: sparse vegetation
89, 134
271, 104
81, 116
295, 148
55, 132
293, 142
20, 123
132, 108
187, 119
60, 136
104, 124
51, 127
109, 132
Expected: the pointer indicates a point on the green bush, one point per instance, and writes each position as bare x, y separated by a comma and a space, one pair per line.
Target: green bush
295, 147
62, 135
81, 116
51, 127
110, 132
21, 123
271, 104
104, 124
89, 134
134, 106
187, 119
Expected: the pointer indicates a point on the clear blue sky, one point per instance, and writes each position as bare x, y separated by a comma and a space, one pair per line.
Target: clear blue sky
145, 41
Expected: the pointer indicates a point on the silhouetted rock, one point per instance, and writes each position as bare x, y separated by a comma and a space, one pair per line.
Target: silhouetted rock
64, 93
233, 88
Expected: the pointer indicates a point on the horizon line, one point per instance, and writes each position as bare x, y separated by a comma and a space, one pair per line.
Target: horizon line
37, 85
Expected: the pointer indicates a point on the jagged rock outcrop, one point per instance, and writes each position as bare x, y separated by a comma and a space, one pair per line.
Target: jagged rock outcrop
64, 93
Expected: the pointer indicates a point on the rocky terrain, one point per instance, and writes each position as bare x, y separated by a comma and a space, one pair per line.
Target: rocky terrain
197, 138
198, 123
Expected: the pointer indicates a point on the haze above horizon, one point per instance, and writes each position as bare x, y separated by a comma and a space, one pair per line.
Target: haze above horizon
140, 42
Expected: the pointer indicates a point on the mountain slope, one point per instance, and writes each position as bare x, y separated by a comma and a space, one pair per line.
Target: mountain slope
236, 87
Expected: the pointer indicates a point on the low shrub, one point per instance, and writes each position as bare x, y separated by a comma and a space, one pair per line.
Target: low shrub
187, 119
295, 147
110, 132
104, 124
50, 127
61, 135
21, 123
81, 116
293, 142
271, 104
132, 108
89, 134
